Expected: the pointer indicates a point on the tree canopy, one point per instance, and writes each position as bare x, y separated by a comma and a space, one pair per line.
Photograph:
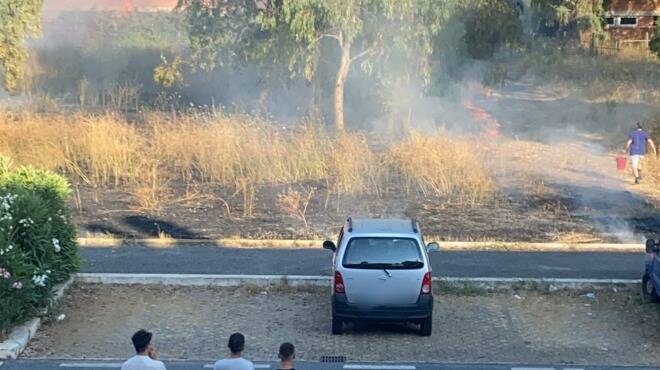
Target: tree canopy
654, 45
291, 32
19, 20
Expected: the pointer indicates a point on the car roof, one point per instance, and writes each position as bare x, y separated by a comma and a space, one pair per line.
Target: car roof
382, 226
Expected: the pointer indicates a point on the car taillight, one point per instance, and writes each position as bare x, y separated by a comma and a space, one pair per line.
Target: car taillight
339, 283
426, 283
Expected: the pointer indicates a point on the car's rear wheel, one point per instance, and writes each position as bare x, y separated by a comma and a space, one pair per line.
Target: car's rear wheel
648, 290
337, 326
426, 327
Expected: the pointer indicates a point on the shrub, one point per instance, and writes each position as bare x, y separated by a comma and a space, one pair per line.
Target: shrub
37, 242
654, 45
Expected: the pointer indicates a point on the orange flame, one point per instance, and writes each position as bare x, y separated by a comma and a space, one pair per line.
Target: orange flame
491, 127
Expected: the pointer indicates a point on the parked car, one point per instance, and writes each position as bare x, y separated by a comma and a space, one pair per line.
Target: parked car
651, 278
381, 272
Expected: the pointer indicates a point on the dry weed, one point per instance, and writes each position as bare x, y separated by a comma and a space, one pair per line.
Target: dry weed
235, 152
436, 165
295, 203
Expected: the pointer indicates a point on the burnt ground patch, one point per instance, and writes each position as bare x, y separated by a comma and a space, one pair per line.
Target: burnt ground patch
215, 214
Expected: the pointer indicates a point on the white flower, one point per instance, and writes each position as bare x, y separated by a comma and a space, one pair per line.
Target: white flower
56, 245
39, 280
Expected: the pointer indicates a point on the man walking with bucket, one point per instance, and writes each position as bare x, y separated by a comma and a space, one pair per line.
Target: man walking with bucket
637, 140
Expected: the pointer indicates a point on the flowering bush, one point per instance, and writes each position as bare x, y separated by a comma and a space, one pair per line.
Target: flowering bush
37, 242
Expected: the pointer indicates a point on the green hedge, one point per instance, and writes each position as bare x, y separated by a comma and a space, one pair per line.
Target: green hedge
37, 241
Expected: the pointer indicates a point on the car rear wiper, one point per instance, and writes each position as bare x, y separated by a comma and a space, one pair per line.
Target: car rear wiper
367, 265
413, 264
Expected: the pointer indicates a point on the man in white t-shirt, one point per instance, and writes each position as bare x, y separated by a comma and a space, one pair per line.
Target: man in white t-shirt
145, 359
235, 361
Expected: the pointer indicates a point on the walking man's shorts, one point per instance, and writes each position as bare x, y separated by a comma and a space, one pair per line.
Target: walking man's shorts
636, 161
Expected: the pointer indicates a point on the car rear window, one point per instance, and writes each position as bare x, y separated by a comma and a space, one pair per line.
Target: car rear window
379, 253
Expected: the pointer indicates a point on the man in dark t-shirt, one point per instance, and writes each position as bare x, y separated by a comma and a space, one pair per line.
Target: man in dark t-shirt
287, 354
637, 140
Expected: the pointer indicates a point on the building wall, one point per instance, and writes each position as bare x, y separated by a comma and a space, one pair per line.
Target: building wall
634, 5
645, 11
630, 33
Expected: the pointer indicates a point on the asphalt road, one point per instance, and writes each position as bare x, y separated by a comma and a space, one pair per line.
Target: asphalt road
218, 260
199, 365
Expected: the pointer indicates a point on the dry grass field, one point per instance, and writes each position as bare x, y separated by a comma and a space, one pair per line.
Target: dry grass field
217, 175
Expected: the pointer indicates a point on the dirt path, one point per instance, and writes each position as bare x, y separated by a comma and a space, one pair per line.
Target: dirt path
551, 151
584, 184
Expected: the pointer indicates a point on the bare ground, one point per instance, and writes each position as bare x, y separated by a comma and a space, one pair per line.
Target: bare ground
553, 162
193, 323
562, 192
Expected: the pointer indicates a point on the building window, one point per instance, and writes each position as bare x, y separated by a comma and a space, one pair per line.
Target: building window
628, 21
609, 21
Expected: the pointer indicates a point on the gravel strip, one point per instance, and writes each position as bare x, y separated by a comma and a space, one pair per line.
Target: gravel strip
194, 323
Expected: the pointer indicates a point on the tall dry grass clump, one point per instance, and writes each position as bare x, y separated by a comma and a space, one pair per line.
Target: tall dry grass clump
240, 153
106, 148
33, 140
352, 167
221, 149
439, 166
101, 149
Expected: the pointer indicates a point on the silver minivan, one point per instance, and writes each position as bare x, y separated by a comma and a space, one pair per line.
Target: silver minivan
381, 272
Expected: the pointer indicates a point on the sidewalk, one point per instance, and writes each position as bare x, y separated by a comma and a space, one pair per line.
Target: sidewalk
469, 326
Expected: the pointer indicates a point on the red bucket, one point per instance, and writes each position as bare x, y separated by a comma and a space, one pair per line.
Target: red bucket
621, 163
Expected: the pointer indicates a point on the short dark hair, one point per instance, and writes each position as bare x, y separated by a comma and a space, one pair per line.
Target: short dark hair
141, 340
236, 343
287, 350
639, 125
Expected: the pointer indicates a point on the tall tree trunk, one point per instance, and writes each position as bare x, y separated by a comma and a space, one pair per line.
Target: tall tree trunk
342, 73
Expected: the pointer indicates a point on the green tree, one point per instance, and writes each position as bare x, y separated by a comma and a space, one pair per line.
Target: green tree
219, 31
490, 24
19, 20
361, 31
571, 19
290, 33
654, 45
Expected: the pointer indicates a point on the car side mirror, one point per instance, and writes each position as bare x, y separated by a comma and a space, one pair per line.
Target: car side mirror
651, 246
329, 245
433, 247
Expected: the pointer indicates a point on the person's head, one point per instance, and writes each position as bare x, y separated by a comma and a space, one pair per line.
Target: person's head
287, 352
142, 341
236, 343
639, 126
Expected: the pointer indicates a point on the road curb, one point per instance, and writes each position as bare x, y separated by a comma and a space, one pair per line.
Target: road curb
21, 335
551, 284
307, 244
